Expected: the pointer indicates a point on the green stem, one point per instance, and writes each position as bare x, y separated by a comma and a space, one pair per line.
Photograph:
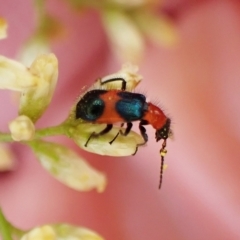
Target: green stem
51, 131
5, 137
61, 129
5, 227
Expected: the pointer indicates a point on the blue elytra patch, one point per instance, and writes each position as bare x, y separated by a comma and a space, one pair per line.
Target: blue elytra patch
131, 106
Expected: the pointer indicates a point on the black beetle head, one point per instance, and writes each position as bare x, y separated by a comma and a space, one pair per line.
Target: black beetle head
164, 132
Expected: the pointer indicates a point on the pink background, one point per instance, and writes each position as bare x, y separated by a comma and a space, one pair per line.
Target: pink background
197, 82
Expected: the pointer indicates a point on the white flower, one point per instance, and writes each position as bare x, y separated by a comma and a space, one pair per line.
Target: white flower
15, 76
7, 159
36, 83
3, 28
40, 233
127, 41
60, 232
22, 128
35, 100
68, 167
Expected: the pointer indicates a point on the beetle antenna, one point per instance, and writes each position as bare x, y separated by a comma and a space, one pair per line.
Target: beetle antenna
163, 152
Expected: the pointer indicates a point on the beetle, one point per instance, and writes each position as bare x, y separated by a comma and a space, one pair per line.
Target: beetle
121, 106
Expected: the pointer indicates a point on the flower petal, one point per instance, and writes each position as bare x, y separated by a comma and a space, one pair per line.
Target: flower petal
15, 76
122, 146
34, 101
40, 233
68, 167
129, 73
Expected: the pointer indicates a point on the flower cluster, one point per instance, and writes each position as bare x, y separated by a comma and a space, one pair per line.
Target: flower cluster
36, 85
35, 78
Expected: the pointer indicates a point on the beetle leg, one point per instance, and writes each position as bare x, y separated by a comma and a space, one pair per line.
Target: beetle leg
124, 83
116, 135
125, 133
95, 135
143, 133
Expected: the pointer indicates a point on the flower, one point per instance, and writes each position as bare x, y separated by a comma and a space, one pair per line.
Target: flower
15, 76
22, 128
61, 231
36, 83
122, 146
35, 100
40, 233
68, 167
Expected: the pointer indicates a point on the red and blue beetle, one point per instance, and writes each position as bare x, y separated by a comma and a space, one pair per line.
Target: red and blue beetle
121, 106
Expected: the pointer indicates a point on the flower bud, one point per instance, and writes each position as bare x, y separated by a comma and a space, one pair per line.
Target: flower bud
22, 128
15, 76
34, 101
